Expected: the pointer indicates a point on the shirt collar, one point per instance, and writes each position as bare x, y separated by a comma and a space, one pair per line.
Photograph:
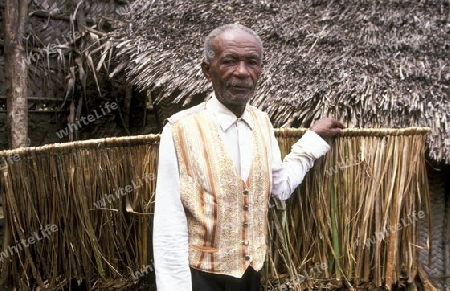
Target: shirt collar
224, 115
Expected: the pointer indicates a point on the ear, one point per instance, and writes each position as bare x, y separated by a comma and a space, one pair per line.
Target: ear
206, 69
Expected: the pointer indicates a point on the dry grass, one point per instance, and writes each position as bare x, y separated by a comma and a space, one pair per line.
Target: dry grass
59, 184
370, 180
369, 184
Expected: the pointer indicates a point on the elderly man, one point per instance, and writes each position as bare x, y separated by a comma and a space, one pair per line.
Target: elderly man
219, 162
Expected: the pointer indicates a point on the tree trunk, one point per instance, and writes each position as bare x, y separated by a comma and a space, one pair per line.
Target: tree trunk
16, 72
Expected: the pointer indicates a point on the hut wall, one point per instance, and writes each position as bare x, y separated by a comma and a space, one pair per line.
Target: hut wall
59, 74
45, 116
434, 263
42, 127
447, 228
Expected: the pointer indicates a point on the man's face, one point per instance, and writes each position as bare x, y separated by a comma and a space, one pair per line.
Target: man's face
235, 69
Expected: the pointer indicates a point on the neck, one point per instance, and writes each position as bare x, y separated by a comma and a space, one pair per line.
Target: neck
238, 110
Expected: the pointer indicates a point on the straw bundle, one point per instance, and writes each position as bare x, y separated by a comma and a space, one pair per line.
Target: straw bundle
353, 220
340, 228
83, 189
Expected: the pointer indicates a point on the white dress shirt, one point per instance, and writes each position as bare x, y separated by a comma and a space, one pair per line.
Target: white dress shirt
170, 231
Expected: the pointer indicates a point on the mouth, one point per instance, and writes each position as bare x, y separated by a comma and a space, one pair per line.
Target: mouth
238, 87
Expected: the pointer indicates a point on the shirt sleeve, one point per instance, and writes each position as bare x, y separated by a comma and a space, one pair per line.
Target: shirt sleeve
170, 231
289, 173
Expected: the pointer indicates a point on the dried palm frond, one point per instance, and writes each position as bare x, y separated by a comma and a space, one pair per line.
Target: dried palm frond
354, 218
99, 195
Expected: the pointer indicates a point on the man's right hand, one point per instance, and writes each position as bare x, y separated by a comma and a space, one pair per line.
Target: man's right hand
327, 127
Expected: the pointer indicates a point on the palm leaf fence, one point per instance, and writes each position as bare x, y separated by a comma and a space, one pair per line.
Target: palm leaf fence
83, 211
99, 194
354, 218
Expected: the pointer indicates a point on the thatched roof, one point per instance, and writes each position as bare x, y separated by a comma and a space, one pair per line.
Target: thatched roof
369, 63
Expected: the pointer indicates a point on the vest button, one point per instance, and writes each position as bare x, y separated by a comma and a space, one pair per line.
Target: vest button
245, 224
245, 243
245, 207
247, 258
246, 192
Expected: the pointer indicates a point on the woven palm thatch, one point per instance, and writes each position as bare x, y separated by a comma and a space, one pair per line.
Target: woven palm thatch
56, 42
99, 195
435, 260
369, 63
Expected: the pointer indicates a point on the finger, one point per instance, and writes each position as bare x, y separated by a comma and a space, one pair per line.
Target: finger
334, 132
339, 124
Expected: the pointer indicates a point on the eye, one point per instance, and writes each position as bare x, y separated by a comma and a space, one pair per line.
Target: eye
228, 61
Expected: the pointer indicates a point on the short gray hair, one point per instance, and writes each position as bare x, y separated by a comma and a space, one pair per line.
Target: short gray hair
208, 50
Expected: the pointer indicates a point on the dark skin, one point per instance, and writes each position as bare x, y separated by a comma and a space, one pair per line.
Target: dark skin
235, 70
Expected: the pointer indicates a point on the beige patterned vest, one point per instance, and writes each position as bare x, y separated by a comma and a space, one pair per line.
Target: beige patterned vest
227, 217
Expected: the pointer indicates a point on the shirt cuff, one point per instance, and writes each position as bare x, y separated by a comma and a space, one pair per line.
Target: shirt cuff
312, 143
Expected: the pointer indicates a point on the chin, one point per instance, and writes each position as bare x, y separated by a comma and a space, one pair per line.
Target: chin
240, 98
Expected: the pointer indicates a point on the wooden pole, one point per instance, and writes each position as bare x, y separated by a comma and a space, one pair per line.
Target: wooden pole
16, 72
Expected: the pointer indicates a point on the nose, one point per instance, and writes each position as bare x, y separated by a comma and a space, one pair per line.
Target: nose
241, 70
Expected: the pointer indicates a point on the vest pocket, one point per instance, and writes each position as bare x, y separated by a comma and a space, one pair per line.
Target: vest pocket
204, 249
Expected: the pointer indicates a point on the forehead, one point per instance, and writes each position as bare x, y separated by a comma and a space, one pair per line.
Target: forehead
237, 42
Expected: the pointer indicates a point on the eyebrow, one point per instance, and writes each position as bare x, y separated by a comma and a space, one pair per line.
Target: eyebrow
249, 56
